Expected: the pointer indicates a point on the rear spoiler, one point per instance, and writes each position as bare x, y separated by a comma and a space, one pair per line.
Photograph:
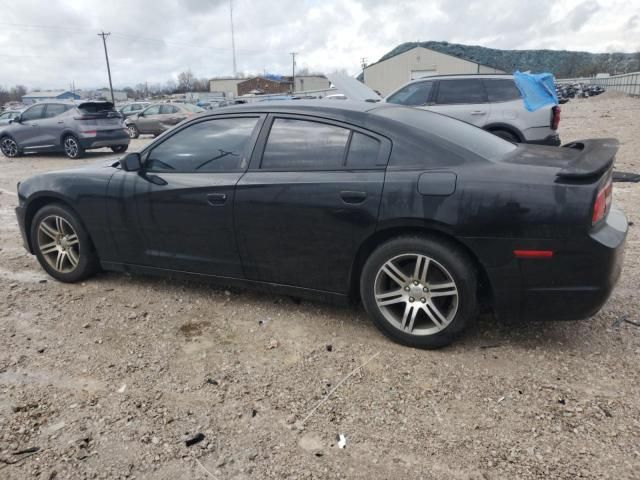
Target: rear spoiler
596, 157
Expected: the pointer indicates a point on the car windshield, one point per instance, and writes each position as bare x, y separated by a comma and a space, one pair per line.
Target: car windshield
95, 107
455, 131
192, 108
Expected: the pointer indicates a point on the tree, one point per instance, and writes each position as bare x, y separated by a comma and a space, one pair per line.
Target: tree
186, 81
130, 92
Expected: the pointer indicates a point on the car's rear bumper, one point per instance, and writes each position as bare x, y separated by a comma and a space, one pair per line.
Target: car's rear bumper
574, 284
110, 138
551, 140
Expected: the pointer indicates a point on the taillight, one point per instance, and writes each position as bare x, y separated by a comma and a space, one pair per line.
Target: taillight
602, 205
555, 117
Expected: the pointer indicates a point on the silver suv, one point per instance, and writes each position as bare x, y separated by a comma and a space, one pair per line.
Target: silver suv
62, 126
492, 102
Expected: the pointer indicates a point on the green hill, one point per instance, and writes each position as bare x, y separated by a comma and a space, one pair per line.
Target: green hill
562, 63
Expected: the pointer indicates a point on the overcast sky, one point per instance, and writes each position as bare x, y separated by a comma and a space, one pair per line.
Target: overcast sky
49, 43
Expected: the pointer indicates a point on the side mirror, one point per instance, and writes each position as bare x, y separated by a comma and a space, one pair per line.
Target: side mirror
15, 119
132, 162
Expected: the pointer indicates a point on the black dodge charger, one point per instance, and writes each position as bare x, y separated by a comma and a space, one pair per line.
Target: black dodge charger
420, 216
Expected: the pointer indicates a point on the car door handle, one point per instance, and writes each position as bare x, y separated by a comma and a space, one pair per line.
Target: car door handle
478, 112
350, 196
217, 199
60, 121
34, 124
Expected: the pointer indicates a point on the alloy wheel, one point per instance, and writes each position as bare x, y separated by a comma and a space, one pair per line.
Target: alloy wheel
71, 147
59, 244
9, 147
416, 294
132, 131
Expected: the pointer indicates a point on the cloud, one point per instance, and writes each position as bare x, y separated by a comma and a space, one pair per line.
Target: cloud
50, 44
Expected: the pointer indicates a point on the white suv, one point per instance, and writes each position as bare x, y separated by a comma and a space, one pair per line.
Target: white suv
492, 102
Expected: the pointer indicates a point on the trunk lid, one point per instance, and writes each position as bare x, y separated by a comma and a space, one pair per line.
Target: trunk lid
97, 115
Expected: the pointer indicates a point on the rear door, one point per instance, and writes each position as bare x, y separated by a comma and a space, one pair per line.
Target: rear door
53, 123
464, 99
309, 199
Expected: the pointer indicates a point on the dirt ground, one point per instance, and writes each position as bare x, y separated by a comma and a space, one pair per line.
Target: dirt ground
108, 378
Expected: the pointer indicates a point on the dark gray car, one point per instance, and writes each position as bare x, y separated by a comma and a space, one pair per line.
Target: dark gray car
159, 117
65, 127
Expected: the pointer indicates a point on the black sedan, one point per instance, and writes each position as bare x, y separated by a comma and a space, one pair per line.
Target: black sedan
420, 216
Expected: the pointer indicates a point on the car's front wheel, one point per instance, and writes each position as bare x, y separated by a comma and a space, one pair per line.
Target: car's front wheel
9, 147
132, 130
419, 291
62, 245
72, 147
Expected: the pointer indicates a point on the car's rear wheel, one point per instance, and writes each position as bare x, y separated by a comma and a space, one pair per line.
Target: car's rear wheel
419, 291
9, 147
62, 245
119, 148
132, 130
507, 135
72, 147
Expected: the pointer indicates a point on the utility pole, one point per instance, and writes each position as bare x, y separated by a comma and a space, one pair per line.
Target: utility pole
293, 71
106, 56
363, 63
233, 40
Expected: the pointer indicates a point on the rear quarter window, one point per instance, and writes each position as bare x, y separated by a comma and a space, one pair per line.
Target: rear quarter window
501, 90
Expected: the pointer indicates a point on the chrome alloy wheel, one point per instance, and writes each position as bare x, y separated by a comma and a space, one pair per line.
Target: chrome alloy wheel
132, 131
416, 294
59, 244
71, 147
9, 147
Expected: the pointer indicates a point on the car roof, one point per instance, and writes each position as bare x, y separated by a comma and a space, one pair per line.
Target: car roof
462, 76
301, 106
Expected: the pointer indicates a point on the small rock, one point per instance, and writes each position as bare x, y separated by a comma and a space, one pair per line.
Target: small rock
252, 454
220, 462
227, 293
291, 419
155, 440
273, 343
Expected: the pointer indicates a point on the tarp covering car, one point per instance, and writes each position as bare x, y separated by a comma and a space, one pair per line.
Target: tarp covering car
538, 90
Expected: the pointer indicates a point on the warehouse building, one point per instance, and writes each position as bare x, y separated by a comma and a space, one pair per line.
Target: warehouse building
387, 75
34, 97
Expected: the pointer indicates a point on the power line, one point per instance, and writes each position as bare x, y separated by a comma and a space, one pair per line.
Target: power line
106, 56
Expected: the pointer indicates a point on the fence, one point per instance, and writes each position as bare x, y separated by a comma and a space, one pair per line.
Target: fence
628, 83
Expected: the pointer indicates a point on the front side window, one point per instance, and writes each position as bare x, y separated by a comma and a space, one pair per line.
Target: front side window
55, 109
501, 90
127, 109
155, 110
414, 94
34, 113
6, 115
218, 145
304, 145
461, 91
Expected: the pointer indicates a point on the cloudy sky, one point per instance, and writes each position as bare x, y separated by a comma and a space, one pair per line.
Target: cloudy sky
49, 43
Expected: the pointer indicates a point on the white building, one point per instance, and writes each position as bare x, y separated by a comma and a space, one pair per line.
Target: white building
228, 86
387, 75
309, 83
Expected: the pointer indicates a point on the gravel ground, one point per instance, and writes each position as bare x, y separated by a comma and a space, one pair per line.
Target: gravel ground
108, 378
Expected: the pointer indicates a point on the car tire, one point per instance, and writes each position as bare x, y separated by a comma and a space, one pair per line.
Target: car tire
133, 131
62, 245
414, 306
9, 147
506, 135
72, 147
119, 148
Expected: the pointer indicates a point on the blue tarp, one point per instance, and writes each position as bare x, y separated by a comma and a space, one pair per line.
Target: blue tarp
537, 89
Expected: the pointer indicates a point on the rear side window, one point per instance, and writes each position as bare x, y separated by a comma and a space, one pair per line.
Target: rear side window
218, 145
461, 91
155, 110
304, 145
34, 113
363, 151
501, 90
53, 110
413, 94
168, 109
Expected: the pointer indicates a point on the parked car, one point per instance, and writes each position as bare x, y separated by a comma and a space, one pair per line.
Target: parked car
491, 102
157, 118
419, 215
68, 127
133, 108
8, 115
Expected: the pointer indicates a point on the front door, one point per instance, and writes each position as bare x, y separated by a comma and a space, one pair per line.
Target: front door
149, 120
309, 199
27, 133
178, 212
